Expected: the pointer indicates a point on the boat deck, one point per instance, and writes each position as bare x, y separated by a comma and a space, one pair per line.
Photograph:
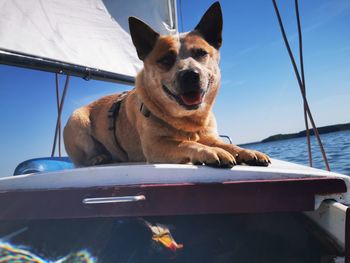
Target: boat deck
169, 189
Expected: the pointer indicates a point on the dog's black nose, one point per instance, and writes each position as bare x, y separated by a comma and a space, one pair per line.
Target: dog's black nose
188, 79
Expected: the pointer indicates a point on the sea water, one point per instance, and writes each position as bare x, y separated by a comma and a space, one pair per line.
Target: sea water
336, 145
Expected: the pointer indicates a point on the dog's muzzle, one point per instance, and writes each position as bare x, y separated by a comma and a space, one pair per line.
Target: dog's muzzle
190, 101
190, 94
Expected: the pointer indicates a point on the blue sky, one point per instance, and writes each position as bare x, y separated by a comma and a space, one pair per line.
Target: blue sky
259, 94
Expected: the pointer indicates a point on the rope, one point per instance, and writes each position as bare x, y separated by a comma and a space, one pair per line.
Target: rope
303, 80
58, 108
58, 121
301, 85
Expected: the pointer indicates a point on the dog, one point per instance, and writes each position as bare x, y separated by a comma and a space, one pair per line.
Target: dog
167, 117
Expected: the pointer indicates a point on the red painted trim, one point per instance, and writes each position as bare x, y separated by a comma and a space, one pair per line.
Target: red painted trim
347, 236
236, 197
309, 178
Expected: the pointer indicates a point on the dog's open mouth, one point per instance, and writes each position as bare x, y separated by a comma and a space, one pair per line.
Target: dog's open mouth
190, 100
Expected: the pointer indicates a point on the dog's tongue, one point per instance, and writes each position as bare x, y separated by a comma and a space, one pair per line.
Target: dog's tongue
192, 98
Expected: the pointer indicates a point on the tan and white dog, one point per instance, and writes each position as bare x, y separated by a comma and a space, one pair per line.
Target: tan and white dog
167, 117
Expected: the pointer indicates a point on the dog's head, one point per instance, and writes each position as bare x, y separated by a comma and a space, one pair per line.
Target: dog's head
181, 70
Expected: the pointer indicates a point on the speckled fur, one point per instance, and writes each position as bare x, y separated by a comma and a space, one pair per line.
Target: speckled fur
173, 134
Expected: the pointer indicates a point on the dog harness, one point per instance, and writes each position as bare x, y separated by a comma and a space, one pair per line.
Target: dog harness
113, 117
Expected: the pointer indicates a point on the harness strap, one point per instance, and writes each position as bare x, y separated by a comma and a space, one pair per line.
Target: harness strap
113, 115
145, 111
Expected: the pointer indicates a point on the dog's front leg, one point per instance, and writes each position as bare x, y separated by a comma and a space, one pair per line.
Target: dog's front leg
250, 157
171, 151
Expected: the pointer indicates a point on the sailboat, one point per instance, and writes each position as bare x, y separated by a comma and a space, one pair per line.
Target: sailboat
139, 212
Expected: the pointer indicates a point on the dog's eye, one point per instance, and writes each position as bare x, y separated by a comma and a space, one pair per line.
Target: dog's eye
199, 53
168, 60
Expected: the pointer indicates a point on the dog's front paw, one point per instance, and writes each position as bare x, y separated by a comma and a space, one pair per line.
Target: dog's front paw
215, 157
252, 157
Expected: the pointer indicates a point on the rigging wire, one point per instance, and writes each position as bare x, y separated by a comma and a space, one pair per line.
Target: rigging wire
59, 115
58, 109
300, 82
301, 60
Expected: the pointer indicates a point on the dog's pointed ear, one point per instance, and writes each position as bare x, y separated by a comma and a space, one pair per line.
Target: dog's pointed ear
210, 26
143, 37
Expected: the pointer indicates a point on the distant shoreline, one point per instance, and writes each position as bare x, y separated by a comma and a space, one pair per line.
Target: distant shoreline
321, 130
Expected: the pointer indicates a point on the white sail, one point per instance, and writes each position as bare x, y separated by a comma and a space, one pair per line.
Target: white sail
87, 33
